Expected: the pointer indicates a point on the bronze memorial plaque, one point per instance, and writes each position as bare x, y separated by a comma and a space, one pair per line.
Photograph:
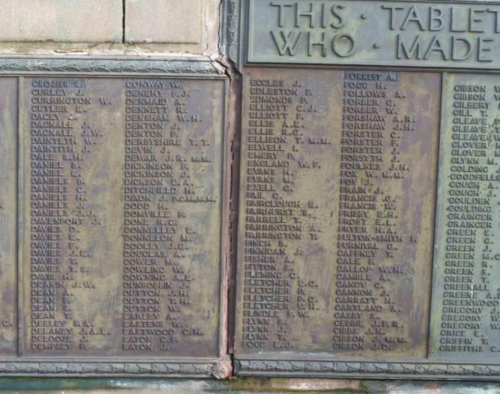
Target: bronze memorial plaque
337, 211
346, 224
369, 216
466, 295
120, 221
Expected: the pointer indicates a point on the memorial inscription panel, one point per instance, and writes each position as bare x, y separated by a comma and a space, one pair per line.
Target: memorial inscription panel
112, 221
122, 186
337, 211
466, 298
369, 188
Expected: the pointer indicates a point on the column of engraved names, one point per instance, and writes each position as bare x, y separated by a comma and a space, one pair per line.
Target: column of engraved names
470, 299
157, 236
58, 211
369, 233
275, 231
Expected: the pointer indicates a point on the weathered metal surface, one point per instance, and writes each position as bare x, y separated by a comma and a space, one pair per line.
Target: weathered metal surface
466, 295
122, 200
324, 289
122, 231
381, 33
336, 213
8, 217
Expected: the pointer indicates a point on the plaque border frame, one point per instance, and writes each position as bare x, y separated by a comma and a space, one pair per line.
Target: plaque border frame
219, 367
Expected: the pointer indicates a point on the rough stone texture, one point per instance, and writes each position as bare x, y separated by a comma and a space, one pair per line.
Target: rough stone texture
185, 25
240, 386
403, 387
172, 21
308, 385
61, 21
96, 27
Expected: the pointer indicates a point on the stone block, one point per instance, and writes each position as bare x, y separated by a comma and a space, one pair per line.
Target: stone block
164, 21
61, 21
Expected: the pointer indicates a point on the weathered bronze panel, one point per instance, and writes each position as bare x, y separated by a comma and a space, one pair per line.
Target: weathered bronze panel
121, 242
8, 216
345, 267
466, 295
381, 33
336, 213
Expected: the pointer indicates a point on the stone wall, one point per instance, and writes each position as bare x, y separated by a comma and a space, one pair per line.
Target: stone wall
110, 27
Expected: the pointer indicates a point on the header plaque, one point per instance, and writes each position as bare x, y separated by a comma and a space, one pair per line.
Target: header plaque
378, 33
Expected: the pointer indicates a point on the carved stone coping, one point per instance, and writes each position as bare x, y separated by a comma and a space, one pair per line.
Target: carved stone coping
219, 370
106, 65
379, 370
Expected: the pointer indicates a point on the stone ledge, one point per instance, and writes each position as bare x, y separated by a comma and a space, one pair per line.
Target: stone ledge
239, 386
109, 65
